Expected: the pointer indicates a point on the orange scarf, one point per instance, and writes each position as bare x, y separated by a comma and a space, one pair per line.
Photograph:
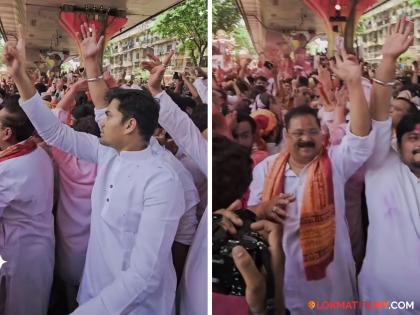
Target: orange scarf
317, 218
17, 150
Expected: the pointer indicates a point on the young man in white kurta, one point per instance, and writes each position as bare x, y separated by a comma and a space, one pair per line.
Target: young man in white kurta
390, 271
135, 215
26, 233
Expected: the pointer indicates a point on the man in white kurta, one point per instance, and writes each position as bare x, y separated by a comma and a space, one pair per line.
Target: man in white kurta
391, 270
135, 215
193, 286
26, 233
340, 282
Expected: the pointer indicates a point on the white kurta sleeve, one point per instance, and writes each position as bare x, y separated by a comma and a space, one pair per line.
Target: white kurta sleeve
382, 148
258, 177
183, 131
57, 134
151, 255
5, 196
352, 153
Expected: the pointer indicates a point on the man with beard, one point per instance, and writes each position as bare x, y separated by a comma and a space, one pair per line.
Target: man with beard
391, 266
302, 188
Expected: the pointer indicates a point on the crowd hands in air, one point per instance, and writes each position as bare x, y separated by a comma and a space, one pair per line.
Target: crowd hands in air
130, 193
279, 136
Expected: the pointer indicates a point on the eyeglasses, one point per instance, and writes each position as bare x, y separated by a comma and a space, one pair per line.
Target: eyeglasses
300, 133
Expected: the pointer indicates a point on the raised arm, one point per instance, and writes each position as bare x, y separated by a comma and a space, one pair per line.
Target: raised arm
68, 101
397, 43
348, 69
48, 126
357, 145
175, 121
91, 52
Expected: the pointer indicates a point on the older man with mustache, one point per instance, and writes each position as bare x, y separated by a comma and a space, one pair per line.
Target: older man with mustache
303, 189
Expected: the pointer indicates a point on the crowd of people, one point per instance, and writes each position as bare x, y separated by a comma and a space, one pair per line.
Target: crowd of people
103, 189
329, 161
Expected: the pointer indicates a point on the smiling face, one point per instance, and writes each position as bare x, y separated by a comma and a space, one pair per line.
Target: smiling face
410, 148
304, 138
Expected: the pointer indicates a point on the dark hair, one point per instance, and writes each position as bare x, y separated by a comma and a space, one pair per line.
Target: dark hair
232, 167
199, 117
87, 124
16, 119
83, 110
47, 98
407, 124
302, 81
261, 77
182, 101
242, 118
80, 98
137, 104
40, 87
301, 111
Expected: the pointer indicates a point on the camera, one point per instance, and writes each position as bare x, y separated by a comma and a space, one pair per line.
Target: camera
226, 278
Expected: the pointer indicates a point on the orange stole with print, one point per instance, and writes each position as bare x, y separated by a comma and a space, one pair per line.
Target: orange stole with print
18, 150
317, 215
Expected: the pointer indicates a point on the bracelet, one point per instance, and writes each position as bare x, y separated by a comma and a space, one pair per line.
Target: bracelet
389, 83
95, 79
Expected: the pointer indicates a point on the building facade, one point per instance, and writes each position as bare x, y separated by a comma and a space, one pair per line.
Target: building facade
128, 50
376, 24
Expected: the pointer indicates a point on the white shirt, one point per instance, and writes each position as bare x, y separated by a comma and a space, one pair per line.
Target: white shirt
188, 222
135, 215
200, 180
201, 86
193, 286
391, 270
27, 232
340, 282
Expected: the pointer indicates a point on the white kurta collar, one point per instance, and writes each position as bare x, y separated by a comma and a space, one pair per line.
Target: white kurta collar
137, 155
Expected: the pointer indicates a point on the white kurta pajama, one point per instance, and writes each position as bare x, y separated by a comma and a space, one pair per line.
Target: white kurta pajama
391, 269
193, 286
26, 234
340, 281
135, 214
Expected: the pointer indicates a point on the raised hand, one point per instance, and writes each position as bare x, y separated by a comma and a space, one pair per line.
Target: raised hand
230, 220
14, 56
399, 39
157, 70
346, 67
91, 47
80, 85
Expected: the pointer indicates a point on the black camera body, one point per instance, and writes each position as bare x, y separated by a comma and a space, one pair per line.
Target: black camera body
226, 278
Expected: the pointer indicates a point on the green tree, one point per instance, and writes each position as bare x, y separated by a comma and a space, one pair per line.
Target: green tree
225, 16
242, 39
415, 3
188, 24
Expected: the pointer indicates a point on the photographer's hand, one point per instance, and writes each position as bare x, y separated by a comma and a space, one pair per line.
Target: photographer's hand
254, 280
230, 219
273, 233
